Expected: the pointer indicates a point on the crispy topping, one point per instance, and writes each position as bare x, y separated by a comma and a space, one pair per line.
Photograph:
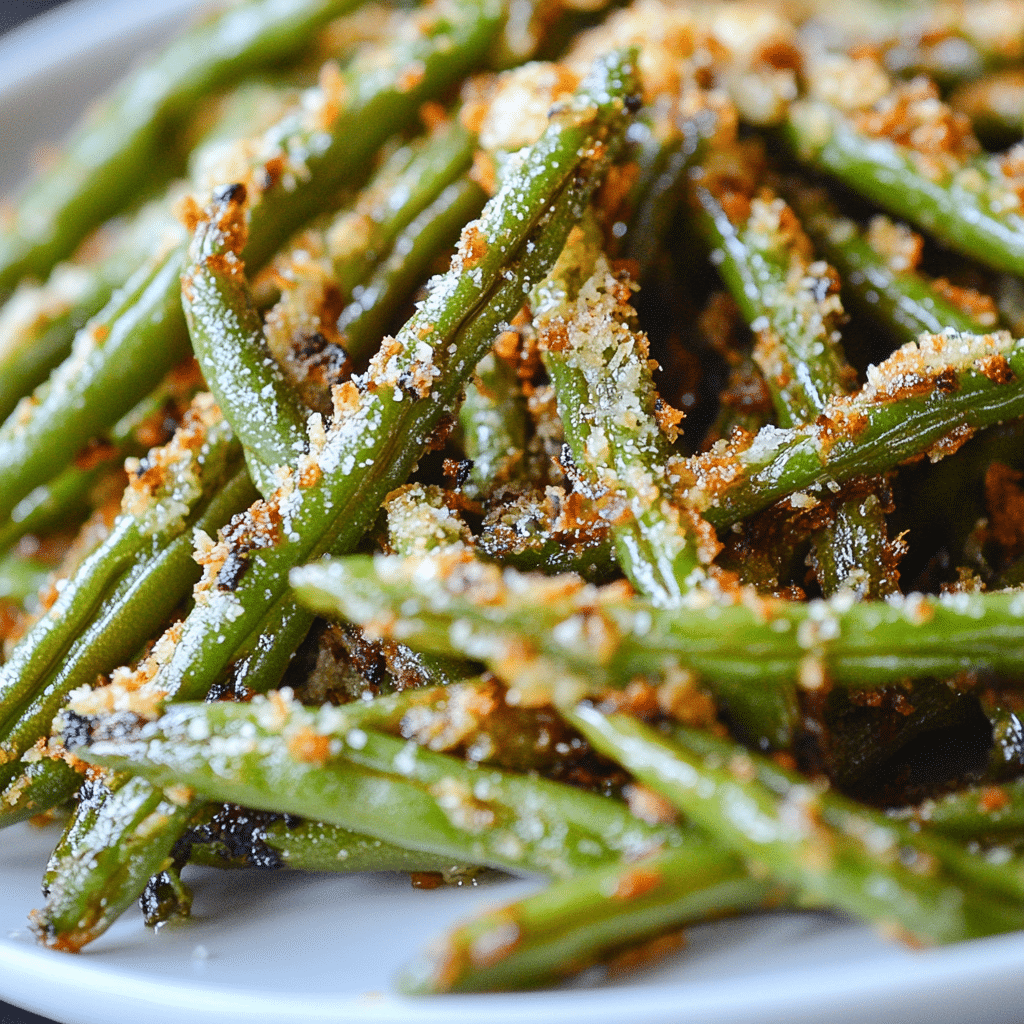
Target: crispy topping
899, 246
163, 486
517, 111
914, 116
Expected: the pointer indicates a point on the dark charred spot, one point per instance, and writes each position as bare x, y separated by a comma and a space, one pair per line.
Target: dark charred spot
457, 470
820, 287
165, 898
408, 386
234, 193
246, 533
76, 729
311, 345
92, 792
233, 835
157, 430
232, 687
439, 437
233, 569
566, 462
322, 358
946, 382
119, 726
367, 656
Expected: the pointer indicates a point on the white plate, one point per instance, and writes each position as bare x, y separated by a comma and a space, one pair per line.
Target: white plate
277, 949
271, 948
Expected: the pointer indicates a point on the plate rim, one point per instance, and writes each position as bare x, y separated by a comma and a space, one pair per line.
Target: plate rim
71, 31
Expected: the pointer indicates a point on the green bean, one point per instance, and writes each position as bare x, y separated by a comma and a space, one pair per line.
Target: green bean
317, 274
377, 99
374, 304
102, 894
469, 715
573, 924
60, 503
119, 357
68, 922
125, 137
613, 422
142, 599
226, 614
122, 354
391, 412
156, 511
888, 288
924, 400
37, 326
227, 338
1005, 879
493, 422
793, 304
620, 434
665, 152
297, 763
345, 251
39, 323
166, 898
545, 636
549, 532
131, 849
976, 812
39, 787
317, 846
834, 851
852, 550
790, 300
66, 498
957, 200
357, 239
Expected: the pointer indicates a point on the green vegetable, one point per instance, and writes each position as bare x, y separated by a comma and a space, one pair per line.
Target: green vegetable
125, 137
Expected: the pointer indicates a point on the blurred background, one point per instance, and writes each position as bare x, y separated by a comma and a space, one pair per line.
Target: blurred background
38, 107
12, 14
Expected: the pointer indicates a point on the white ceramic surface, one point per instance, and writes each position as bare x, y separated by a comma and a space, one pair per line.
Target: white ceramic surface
51, 66
277, 949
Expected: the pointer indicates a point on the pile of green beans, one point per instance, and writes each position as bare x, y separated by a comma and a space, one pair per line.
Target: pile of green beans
560, 442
